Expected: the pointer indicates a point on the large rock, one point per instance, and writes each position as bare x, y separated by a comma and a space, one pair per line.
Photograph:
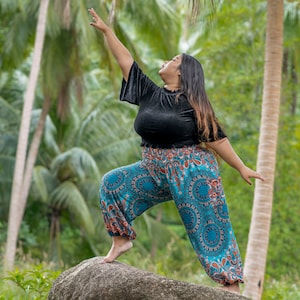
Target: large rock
91, 280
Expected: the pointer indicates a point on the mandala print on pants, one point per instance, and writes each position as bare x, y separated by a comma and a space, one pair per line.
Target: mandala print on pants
189, 176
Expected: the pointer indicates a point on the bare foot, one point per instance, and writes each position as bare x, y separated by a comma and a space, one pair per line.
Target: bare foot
233, 288
119, 246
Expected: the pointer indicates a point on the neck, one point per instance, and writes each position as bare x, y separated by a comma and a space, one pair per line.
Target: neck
171, 87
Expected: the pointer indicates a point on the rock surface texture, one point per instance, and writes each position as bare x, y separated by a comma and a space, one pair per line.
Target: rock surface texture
91, 280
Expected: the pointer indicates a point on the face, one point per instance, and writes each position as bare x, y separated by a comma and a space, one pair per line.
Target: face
170, 67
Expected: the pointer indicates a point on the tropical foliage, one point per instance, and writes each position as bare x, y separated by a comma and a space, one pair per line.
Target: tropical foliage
88, 132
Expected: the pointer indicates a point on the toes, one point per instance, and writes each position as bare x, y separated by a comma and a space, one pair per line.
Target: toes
105, 261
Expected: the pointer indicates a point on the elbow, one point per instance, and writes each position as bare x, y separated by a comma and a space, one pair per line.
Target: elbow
215, 144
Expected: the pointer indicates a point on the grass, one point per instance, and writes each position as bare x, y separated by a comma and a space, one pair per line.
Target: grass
34, 283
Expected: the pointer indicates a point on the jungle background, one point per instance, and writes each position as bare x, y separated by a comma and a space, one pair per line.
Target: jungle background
88, 132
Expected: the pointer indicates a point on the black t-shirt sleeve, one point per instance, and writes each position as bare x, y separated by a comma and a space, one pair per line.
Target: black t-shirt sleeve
220, 135
137, 85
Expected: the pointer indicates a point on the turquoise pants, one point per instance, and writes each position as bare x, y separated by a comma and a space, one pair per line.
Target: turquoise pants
190, 176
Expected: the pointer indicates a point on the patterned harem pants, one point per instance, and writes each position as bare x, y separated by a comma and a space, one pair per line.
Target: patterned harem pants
189, 176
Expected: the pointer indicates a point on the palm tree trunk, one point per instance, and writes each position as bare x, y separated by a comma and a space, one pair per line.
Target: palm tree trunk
155, 242
256, 254
33, 151
55, 249
17, 206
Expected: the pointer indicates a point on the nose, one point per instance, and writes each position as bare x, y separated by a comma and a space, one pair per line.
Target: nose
165, 62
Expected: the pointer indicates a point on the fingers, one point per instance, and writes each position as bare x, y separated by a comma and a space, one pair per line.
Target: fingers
93, 14
97, 21
255, 175
248, 181
247, 174
258, 176
92, 11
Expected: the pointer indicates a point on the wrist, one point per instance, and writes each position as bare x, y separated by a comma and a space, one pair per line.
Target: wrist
106, 30
239, 165
241, 168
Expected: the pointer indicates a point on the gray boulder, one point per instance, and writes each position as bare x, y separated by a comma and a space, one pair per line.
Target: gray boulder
91, 280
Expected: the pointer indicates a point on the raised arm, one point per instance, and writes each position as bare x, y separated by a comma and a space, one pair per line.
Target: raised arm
119, 51
227, 153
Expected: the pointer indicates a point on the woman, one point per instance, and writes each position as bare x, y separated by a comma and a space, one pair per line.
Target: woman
173, 122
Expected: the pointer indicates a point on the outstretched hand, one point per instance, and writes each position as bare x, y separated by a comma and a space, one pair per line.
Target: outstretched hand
98, 23
118, 50
248, 173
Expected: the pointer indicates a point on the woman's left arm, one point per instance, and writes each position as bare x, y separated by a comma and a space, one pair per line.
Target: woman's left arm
227, 153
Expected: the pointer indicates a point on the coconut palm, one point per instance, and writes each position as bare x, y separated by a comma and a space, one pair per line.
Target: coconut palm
64, 76
261, 215
60, 188
11, 87
291, 55
17, 204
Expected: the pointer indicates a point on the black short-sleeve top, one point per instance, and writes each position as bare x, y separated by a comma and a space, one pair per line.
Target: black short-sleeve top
162, 120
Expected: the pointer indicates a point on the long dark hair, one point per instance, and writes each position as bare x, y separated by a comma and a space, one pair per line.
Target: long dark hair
193, 86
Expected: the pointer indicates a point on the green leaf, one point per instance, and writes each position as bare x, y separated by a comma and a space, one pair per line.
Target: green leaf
67, 197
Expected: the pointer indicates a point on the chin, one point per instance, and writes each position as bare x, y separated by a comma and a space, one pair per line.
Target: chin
161, 71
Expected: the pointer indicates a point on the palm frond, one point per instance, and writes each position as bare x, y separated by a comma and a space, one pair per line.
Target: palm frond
50, 131
118, 153
12, 87
43, 184
198, 6
67, 197
7, 163
111, 142
8, 141
8, 111
90, 191
157, 231
75, 164
21, 25
81, 20
292, 13
157, 25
